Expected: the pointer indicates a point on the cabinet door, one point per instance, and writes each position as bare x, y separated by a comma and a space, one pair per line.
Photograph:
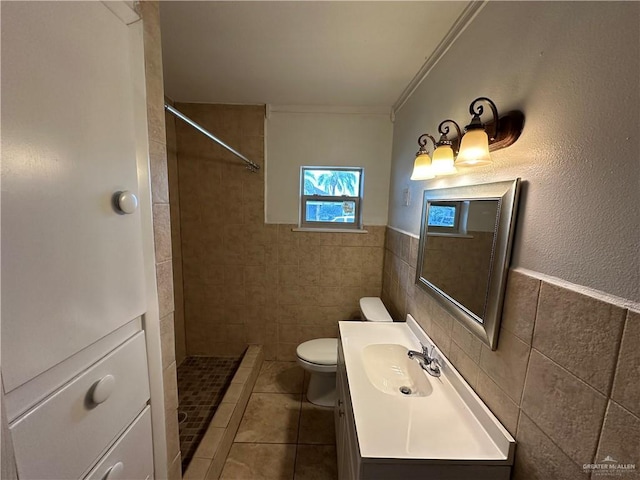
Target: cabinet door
340, 425
71, 266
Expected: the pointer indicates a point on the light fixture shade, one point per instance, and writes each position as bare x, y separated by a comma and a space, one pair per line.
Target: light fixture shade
474, 149
442, 163
422, 168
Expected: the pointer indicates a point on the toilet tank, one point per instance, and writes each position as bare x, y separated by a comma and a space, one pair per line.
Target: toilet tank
373, 310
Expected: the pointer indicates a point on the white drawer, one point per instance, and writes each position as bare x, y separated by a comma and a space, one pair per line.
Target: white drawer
132, 455
62, 437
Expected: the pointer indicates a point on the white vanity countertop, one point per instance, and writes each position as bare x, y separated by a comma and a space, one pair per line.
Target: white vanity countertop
451, 424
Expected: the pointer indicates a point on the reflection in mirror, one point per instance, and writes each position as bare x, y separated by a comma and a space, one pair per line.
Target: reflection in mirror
465, 244
458, 250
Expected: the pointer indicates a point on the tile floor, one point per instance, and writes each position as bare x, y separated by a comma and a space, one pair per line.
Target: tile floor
202, 382
282, 435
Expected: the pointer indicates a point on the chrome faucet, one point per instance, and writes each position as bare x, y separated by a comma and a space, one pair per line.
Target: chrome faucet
429, 363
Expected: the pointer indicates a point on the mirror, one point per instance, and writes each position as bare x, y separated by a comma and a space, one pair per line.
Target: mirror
464, 252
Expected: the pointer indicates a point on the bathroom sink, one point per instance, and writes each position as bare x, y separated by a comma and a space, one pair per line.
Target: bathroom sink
391, 371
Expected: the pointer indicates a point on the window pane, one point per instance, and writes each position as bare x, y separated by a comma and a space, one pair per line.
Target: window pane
319, 211
331, 182
442, 216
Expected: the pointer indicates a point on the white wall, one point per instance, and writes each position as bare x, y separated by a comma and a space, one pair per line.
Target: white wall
573, 69
333, 137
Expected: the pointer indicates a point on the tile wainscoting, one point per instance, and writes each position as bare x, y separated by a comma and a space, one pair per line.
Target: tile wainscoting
564, 379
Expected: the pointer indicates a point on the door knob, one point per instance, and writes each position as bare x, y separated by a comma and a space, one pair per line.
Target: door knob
115, 472
103, 389
125, 202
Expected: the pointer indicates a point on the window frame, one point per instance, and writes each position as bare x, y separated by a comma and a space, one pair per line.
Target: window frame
304, 199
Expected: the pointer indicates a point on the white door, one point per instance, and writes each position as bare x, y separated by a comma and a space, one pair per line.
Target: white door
71, 266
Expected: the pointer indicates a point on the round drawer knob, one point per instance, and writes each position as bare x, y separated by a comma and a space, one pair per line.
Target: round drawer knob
126, 202
103, 389
115, 472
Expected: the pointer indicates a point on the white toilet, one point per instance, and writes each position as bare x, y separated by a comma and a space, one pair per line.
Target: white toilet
320, 356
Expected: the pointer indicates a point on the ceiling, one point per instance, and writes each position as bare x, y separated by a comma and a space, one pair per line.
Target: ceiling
314, 53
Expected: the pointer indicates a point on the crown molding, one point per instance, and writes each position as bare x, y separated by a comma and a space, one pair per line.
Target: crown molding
465, 18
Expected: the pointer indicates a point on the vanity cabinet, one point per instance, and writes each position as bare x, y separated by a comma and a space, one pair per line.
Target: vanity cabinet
346, 438
440, 432
74, 358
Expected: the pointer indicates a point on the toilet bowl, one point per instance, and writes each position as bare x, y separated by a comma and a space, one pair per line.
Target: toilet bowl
320, 356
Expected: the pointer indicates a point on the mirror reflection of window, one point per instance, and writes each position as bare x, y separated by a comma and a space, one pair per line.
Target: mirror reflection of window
449, 218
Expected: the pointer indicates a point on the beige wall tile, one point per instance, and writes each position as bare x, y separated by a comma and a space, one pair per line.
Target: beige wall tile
286, 352
538, 458
175, 468
167, 341
467, 341
170, 381
159, 175
162, 232
507, 365
464, 364
580, 333
153, 71
413, 252
438, 314
286, 235
223, 415
209, 444
233, 392
374, 238
173, 436
626, 388
197, 469
441, 338
505, 409
520, 305
179, 325
164, 277
405, 247
620, 438
568, 410
175, 239
279, 377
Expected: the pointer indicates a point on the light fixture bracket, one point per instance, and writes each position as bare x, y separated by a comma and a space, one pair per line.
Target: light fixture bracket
508, 130
422, 141
444, 136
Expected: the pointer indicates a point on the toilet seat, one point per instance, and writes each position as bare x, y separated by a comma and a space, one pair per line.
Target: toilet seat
320, 352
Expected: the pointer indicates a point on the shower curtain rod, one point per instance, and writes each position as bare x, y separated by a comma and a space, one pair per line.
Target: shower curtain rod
250, 165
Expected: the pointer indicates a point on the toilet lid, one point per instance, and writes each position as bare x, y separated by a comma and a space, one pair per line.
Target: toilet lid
373, 310
323, 351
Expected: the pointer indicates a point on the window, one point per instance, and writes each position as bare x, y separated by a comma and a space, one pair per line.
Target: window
447, 217
331, 197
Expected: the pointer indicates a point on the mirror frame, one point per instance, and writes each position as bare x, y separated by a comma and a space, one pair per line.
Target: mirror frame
507, 193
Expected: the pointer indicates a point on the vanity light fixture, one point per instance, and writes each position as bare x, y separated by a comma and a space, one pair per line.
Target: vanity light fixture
473, 148
446, 150
422, 167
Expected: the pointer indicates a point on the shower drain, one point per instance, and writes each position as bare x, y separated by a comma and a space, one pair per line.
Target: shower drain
182, 417
405, 390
